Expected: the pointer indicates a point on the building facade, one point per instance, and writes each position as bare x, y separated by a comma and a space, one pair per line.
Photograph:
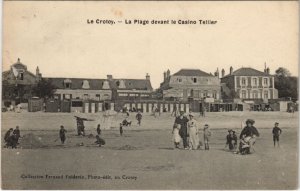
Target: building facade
249, 84
17, 83
130, 89
190, 84
81, 88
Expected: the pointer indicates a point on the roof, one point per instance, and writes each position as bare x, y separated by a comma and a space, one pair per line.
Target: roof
77, 83
248, 72
191, 72
97, 84
138, 84
19, 65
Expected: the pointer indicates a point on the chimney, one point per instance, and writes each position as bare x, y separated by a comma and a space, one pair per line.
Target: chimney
223, 72
165, 76
268, 70
168, 73
265, 70
217, 72
38, 75
109, 77
37, 71
147, 77
230, 70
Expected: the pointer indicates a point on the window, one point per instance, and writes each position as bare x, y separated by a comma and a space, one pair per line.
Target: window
98, 97
86, 96
67, 96
255, 94
244, 94
195, 80
179, 79
266, 94
254, 80
214, 95
76, 103
68, 85
243, 81
21, 76
266, 81
123, 94
205, 94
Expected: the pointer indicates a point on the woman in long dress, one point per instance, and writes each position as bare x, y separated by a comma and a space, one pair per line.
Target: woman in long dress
193, 132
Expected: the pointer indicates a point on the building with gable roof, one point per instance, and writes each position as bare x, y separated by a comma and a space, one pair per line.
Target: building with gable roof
190, 84
17, 82
81, 88
131, 89
249, 84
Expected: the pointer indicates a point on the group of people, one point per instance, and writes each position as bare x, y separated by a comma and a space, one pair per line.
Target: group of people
186, 129
11, 137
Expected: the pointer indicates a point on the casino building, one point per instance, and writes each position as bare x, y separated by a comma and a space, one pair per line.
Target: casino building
190, 84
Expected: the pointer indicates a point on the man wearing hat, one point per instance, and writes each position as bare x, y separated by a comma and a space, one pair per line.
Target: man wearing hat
182, 121
276, 133
249, 131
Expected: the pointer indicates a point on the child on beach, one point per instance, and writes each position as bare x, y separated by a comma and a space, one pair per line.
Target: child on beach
207, 135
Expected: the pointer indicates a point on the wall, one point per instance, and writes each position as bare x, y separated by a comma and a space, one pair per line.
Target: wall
80, 94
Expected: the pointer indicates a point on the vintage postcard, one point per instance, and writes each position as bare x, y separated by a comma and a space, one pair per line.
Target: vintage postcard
131, 95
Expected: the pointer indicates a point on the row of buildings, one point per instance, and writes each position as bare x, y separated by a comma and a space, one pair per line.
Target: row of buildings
248, 85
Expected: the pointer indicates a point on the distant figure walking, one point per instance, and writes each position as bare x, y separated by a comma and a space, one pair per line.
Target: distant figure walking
174, 111
121, 129
98, 130
276, 133
139, 118
62, 134
207, 135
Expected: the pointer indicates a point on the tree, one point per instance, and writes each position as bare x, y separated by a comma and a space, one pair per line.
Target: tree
44, 89
286, 84
282, 72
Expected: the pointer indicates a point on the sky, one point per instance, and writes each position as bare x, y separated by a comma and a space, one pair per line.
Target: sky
56, 37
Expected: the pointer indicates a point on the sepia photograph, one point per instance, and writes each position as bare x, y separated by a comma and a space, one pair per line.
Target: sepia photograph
153, 95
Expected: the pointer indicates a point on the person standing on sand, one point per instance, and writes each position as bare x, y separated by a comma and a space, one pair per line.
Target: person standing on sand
17, 133
207, 135
98, 129
193, 132
80, 125
139, 118
182, 121
62, 134
121, 129
276, 133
